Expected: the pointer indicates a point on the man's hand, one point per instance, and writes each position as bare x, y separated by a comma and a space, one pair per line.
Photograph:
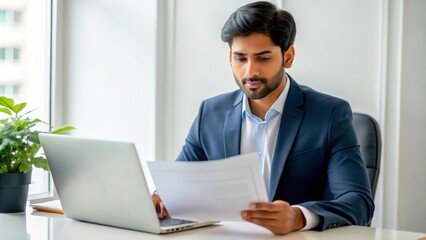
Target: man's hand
279, 217
159, 207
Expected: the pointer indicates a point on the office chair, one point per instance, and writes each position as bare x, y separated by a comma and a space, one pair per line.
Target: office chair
368, 132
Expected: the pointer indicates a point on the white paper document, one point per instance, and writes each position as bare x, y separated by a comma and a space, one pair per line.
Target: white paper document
215, 190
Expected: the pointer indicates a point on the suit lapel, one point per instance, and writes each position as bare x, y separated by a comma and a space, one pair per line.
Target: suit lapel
232, 128
290, 123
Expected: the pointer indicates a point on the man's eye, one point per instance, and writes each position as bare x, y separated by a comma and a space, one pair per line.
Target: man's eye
264, 59
240, 59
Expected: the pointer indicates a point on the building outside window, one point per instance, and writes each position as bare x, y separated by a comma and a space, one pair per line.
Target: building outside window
2, 16
10, 54
16, 17
11, 17
25, 65
16, 53
2, 54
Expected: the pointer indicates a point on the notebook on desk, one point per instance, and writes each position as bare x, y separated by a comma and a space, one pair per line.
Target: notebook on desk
51, 206
103, 182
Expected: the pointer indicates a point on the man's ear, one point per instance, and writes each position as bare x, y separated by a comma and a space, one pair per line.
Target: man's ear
230, 56
289, 57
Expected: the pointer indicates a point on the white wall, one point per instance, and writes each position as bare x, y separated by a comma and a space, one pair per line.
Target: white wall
337, 51
107, 69
412, 177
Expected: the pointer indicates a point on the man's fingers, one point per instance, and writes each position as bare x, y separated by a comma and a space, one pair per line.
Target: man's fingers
165, 212
159, 206
271, 224
278, 216
269, 207
156, 201
265, 210
248, 215
266, 223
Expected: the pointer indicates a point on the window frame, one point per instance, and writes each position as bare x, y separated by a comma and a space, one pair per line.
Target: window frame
51, 193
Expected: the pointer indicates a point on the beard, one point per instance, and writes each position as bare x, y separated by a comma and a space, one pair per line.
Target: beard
268, 85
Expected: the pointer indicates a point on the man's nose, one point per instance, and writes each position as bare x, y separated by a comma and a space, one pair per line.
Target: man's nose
252, 70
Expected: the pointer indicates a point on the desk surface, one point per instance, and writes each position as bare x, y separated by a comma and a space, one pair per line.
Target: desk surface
39, 226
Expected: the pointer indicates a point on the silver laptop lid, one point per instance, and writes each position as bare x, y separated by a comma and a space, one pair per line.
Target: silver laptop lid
100, 181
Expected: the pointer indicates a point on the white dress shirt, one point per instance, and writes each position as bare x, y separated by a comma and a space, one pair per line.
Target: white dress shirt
260, 136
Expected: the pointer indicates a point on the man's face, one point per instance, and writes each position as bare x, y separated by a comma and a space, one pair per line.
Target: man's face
257, 64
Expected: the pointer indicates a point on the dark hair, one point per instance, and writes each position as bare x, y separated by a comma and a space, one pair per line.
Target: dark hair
261, 17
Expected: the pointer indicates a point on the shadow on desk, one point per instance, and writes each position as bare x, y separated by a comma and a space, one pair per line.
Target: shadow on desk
229, 230
43, 226
82, 230
66, 228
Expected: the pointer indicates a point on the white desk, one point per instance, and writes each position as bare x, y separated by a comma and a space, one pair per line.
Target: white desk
42, 226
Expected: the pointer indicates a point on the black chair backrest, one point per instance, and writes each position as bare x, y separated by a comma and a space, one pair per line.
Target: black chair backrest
368, 132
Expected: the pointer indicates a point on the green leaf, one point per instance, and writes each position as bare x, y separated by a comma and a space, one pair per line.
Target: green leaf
4, 144
18, 107
28, 112
5, 110
63, 130
3, 170
6, 102
40, 162
25, 167
34, 122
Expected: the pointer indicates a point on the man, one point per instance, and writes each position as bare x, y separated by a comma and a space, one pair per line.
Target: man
305, 140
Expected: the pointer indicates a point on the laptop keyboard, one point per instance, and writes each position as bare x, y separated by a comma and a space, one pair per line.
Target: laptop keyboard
167, 222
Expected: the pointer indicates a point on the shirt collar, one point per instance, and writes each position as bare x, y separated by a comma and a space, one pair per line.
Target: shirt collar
278, 105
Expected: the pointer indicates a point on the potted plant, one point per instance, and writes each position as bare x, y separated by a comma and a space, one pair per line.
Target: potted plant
19, 153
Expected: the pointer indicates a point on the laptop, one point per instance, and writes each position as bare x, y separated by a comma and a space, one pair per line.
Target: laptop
103, 182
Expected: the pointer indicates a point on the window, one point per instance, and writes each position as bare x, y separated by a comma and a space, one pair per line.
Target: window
9, 90
2, 53
2, 16
16, 17
9, 17
10, 54
16, 53
25, 34
15, 90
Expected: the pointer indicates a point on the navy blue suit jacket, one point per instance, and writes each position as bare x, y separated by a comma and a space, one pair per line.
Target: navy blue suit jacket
316, 164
